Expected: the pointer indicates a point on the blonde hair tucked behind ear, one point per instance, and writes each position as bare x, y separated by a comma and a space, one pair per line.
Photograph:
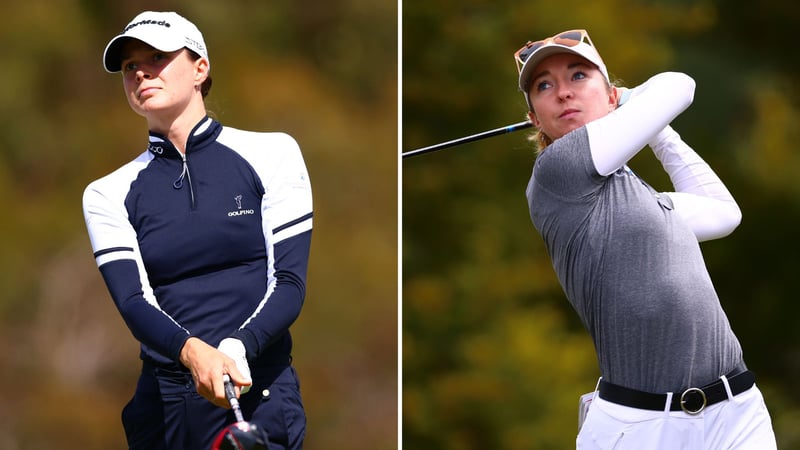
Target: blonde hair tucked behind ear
540, 140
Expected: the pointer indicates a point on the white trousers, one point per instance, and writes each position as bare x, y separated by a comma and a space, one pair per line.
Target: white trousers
740, 423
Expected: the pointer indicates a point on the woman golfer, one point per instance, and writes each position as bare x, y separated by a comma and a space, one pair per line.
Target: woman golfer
203, 242
628, 257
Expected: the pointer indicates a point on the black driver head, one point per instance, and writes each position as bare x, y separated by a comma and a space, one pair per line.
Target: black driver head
241, 436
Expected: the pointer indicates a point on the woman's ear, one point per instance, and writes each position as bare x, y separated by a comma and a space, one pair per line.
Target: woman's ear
613, 98
533, 119
200, 70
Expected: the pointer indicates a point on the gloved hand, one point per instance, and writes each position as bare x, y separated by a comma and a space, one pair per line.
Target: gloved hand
234, 349
624, 95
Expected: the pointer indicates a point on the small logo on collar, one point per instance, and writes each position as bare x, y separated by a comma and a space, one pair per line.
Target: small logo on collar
156, 149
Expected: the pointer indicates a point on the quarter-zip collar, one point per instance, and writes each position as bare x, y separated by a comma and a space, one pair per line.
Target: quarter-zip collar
204, 133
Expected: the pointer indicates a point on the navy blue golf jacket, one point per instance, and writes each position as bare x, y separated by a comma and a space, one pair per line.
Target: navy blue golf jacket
214, 244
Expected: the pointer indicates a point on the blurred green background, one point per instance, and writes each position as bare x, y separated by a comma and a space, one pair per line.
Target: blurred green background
326, 73
493, 355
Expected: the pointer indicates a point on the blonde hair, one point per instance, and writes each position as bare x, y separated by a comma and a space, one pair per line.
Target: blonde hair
540, 140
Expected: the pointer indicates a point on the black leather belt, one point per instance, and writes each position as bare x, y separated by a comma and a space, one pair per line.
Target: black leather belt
691, 401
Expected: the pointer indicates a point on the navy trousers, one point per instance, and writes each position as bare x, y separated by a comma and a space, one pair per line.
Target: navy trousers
167, 413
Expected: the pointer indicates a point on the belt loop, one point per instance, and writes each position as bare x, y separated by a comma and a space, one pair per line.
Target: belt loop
668, 403
727, 386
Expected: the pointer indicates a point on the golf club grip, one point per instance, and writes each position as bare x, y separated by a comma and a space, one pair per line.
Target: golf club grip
230, 393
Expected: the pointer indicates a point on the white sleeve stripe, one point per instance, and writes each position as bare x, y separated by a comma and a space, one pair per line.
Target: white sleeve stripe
294, 230
113, 255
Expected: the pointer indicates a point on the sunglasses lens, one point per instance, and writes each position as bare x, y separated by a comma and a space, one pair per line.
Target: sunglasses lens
569, 38
527, 51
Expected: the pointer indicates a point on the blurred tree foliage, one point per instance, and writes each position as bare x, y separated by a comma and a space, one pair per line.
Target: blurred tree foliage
327, 74
493, 355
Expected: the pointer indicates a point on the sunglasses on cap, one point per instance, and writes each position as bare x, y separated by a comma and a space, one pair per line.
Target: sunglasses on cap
568, 38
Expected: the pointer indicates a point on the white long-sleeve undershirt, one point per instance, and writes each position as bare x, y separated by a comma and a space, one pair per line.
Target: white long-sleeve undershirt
700, 197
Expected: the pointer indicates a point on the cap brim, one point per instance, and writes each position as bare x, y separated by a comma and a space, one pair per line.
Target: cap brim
112, 56
537, 57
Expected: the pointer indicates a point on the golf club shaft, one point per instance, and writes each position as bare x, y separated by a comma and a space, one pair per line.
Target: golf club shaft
230, 392
466, 139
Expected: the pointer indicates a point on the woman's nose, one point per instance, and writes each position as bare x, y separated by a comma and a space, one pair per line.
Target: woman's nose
142, 75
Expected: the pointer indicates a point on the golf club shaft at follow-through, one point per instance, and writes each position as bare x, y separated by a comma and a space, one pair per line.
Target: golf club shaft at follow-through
472, 138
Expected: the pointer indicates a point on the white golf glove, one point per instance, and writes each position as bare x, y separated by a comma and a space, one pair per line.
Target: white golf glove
234, 349
624, 95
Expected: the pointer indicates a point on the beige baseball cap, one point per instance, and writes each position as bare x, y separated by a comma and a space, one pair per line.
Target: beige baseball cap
533, 53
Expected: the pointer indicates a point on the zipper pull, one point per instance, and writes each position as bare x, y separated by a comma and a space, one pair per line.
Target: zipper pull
178, 183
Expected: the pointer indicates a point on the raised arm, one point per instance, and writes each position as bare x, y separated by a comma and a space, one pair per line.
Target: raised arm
701, 197
620, 135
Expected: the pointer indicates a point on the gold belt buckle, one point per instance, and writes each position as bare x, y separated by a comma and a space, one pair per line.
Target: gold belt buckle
684, 400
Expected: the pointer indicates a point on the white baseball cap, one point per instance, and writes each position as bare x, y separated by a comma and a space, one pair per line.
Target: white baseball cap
533, 53
165, 31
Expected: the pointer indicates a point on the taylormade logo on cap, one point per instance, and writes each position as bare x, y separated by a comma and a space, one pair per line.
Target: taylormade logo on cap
163, 23
165, 31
